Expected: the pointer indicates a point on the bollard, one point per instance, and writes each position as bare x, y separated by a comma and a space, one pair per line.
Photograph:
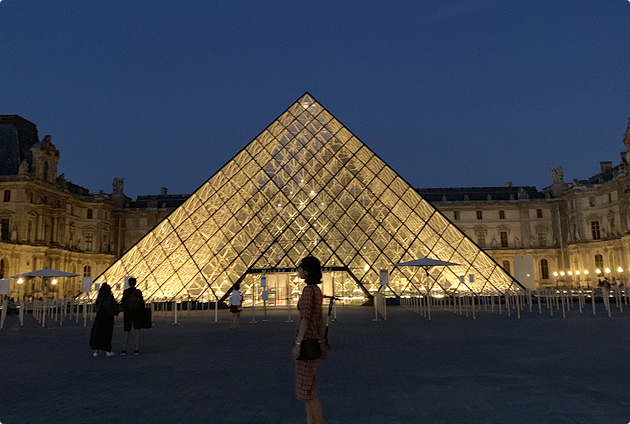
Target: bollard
3, 316
175, 313
216, 311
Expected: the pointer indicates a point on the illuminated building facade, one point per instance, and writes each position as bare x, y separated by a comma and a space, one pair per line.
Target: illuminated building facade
305, 186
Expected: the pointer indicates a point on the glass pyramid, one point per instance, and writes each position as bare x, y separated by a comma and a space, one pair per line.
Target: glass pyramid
305, 185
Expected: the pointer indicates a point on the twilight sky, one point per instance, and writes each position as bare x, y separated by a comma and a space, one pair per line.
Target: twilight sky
450, 93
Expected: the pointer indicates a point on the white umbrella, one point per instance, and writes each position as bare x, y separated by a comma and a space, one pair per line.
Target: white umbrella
426, 262
46, 272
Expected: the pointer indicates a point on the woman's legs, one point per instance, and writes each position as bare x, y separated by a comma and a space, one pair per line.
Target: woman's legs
314, 411
238, 316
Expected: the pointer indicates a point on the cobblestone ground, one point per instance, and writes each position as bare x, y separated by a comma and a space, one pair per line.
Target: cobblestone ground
408, 369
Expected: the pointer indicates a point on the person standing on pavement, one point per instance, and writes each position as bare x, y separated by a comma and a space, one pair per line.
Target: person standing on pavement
133, 305
310, 326
236, 304
103, 328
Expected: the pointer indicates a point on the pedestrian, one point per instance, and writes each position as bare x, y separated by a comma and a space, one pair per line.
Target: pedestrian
103, 328
133, 305
236, 304
310, 328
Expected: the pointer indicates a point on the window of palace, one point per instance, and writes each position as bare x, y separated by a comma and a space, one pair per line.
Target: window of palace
456, 215
1, 268
87, 271
89, 239
479, 215
591, 202
481, 239
539, 213
89, 214
506, 266
599, 262
544, 269
504, 239
595, 230
4, 232
7, 195
542, 237
501, 214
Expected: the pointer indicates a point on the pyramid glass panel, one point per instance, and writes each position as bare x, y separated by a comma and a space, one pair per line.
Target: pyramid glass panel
304, 185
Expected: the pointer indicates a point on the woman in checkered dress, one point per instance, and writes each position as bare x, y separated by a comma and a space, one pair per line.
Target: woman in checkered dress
310, 326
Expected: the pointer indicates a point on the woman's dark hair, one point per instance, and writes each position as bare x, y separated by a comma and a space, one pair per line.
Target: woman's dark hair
132, 282
313, 267
104, 291
237, 286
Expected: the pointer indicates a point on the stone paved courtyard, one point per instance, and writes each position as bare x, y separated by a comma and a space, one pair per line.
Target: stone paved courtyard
451, 369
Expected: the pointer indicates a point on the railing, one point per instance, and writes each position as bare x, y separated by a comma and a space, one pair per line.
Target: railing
516, 302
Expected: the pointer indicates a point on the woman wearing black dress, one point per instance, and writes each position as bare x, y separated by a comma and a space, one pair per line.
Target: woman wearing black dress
103, 328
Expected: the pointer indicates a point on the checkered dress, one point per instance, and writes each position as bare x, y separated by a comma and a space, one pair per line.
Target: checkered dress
310, 307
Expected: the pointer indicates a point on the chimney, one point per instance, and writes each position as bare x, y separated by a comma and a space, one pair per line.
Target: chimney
605, 166
164, 191
508, 184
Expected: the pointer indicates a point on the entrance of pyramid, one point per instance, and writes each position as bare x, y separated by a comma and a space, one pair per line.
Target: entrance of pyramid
283, 287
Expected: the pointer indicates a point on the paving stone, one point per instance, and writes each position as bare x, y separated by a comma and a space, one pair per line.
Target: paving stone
408, 369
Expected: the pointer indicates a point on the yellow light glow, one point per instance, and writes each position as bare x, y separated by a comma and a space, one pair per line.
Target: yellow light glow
528, 275
366, 267
312, 192
555, 274
586, 271
53, 282
620, 269
20, 281
570, 272
577, 272
562, 273
598, 271
607, 270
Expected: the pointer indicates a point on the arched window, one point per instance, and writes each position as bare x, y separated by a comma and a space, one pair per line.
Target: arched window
599, 262
46, 171
544, 269
506, 266
87, 271
1, 268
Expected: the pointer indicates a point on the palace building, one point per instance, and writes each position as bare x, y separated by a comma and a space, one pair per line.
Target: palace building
305, 185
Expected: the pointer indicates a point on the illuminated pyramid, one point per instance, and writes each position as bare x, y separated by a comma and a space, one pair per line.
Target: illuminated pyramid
305, 185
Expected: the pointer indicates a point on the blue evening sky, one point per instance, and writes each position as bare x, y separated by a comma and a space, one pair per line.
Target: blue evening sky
450, 93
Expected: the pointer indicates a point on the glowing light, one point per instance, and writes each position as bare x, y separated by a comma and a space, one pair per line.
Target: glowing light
598, 271
555, 274
312, 192
528, 275
607, 270
562, 273
620, 269
279, 204
20, 281
577, 272
586, 271
366, 267
570, 272
53, 282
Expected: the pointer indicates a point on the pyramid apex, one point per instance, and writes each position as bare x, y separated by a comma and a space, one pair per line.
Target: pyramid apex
306, 100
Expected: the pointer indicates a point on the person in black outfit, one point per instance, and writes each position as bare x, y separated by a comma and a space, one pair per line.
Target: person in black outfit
103, 328
133, 305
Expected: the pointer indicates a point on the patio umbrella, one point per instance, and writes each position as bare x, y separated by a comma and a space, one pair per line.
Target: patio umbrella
425, 263
46, 272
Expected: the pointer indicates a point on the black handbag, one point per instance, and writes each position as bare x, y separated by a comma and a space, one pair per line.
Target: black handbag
310, 349
146, 318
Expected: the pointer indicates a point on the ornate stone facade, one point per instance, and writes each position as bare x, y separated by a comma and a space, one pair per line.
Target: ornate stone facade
571, 230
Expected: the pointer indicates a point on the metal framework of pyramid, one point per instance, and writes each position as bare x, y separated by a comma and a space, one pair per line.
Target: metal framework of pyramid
305, 186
